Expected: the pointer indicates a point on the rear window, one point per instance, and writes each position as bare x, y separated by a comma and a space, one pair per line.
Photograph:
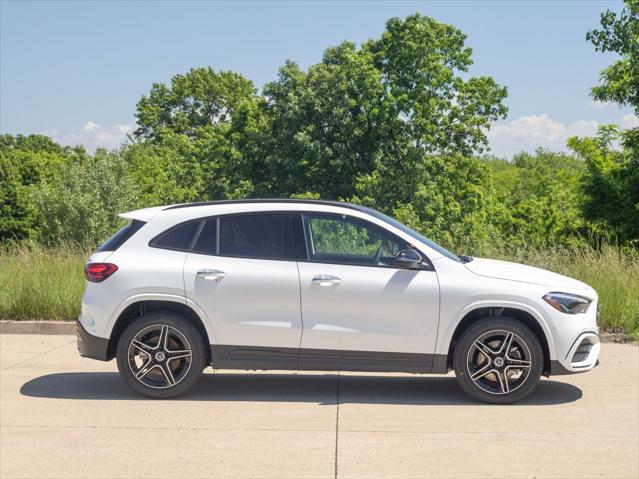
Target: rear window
177, 238
122, 235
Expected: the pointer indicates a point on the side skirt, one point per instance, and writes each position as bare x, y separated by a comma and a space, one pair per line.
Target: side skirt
265, 358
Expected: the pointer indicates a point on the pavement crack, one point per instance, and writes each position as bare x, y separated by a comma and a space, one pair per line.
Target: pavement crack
337, 422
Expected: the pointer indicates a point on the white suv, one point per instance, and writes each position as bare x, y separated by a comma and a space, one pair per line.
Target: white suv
320, 285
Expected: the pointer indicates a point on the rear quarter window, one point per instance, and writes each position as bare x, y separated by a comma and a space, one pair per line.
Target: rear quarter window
178, 238
121, 236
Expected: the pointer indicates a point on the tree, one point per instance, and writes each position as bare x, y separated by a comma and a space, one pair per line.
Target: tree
619, 33
81, 202
376, 113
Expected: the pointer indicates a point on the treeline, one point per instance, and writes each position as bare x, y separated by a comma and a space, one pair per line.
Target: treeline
395, 123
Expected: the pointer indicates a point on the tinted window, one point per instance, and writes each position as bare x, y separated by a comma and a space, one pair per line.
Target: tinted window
206, 242
179, 237
253, 236
339, 239
119, 238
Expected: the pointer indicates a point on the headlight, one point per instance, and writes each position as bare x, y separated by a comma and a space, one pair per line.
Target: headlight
568, 303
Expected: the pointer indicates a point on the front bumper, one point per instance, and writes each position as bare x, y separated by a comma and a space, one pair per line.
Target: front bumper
90, 346
582, 356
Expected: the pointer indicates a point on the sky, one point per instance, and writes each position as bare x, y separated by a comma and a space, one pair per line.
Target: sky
75, 70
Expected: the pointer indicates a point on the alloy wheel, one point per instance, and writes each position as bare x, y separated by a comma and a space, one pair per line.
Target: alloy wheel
159, 356
499, 362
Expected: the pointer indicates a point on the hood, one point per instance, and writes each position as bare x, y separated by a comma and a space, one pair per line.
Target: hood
492, 268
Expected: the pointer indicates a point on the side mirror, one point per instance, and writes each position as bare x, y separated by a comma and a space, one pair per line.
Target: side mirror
408, 258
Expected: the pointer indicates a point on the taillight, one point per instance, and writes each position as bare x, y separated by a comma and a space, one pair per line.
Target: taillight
98, 272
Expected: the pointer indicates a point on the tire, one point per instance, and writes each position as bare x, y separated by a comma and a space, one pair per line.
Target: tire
489, 371
157, 371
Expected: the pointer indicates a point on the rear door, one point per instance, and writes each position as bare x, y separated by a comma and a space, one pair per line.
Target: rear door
242, 272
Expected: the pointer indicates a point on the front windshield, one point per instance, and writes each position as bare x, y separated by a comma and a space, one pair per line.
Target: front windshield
411, 232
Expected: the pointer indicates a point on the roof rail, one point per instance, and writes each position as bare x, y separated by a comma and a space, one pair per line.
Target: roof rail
265, 200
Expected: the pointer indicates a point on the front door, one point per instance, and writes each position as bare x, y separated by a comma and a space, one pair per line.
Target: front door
360, 311
242, 272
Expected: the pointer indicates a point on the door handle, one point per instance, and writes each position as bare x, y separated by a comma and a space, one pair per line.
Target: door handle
326, 280
211, 274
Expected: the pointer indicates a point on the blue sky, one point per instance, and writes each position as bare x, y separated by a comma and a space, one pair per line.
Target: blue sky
75, 70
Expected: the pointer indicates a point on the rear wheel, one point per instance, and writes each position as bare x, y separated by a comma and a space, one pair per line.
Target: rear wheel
161, 355
498, 360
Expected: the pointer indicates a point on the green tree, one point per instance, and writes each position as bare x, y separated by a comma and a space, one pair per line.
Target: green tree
81, 202
377, 111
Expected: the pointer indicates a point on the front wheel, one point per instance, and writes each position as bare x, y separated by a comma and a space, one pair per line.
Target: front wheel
498, 360
161, 355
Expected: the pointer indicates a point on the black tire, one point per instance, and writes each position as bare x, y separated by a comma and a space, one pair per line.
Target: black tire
164, 372
483, 376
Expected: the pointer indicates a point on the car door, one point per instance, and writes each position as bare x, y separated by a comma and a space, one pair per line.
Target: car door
360, 311
241, 270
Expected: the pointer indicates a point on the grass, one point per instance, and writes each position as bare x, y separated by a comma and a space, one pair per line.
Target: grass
43, 283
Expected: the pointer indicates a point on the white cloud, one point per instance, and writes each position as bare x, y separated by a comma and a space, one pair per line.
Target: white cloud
93, 136
629, 121
527, 133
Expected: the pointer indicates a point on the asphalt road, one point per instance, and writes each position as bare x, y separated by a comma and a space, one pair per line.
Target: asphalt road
65, 416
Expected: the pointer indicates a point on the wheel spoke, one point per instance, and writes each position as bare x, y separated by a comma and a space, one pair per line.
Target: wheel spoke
178, 354
518, 363
503, 382
145, 348
482, 372
145, 369
507, 343
484, 348
168, 374
164, 336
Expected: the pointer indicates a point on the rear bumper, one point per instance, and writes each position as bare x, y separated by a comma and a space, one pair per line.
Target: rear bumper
582, 356
90, 346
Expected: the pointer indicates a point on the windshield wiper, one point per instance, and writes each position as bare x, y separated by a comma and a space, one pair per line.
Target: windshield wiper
465, 259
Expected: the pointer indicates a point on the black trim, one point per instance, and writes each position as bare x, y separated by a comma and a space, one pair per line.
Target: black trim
440, 364
265, 358
265, 200
91, 346
558, 369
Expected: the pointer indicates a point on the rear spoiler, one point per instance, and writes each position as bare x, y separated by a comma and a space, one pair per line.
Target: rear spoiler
145, 214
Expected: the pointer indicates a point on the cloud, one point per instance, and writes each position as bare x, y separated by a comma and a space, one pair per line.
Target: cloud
527, 133
93, 136
629, 121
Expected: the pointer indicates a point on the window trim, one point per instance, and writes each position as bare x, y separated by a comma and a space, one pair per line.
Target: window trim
428, 265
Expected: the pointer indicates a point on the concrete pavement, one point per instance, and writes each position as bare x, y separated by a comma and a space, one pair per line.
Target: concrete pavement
65, 416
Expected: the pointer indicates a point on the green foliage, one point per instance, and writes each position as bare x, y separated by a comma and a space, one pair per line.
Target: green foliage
539, 199
611, 186
81, 201
619, 34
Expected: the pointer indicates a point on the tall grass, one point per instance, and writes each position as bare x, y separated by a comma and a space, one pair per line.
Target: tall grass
37, 282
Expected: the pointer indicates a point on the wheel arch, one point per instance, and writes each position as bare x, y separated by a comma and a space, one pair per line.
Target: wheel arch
142, 307
514, 312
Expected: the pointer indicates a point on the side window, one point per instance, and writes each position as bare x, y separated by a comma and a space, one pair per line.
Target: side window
340, 239
206, 242
260, 236
178, 237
